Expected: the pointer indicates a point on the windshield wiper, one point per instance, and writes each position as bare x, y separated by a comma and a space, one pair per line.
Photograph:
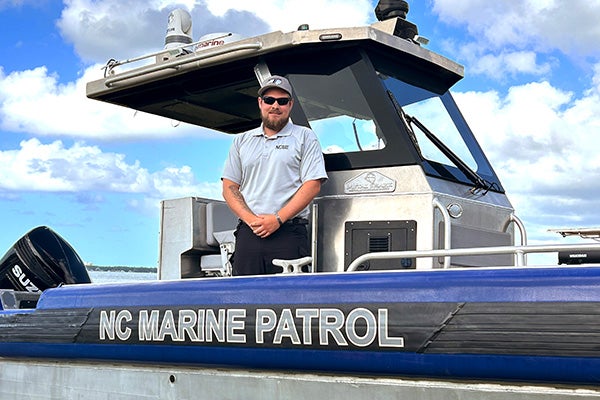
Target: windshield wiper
473, 176
402, 115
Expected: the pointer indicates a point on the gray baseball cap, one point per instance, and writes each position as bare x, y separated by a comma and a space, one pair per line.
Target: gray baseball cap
275, 81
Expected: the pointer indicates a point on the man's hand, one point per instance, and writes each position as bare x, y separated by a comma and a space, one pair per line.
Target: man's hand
264, 225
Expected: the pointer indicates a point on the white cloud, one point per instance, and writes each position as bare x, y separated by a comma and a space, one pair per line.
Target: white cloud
287, 15
540, 139
174, 182
111, 28
542, 143
100, 30
34, 102
570, 26
498, 66
521, 37
53, 167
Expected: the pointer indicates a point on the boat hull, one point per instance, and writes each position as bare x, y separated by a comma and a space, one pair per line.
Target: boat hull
48, 379
530, 324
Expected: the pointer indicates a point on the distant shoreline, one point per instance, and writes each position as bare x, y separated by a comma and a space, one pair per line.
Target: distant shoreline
122, 268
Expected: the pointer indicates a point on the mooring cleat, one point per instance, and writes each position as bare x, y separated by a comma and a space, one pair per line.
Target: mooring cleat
292, 266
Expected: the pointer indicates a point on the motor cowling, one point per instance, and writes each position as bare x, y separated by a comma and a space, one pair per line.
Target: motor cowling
41, 259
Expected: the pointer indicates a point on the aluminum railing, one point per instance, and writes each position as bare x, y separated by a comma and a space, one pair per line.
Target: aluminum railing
177, 63
513, 219
518, 251
447, 229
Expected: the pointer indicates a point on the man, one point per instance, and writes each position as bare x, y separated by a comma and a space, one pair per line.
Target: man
272, 174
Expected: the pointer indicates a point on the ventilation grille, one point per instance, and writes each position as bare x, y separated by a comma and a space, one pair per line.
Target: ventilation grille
362, 237
377, 244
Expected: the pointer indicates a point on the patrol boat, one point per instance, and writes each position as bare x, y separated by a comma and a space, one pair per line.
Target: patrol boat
418, 284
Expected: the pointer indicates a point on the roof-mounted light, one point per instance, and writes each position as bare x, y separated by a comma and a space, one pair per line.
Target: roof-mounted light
328, 37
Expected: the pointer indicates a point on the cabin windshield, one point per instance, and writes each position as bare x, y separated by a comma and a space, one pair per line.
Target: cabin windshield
362, 116
432, 112
338, 112
438, 116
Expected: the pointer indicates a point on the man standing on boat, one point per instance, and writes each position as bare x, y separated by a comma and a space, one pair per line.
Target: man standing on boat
272, 174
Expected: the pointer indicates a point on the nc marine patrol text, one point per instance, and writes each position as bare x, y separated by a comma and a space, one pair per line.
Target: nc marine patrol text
358, 327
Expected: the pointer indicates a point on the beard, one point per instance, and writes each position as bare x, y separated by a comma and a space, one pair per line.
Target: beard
274, 124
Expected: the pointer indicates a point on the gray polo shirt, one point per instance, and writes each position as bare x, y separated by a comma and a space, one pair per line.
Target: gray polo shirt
270, 170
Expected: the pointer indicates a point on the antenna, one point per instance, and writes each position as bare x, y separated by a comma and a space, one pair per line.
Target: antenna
396, 10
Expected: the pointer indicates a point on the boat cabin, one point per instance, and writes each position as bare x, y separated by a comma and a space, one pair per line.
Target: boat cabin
405, 170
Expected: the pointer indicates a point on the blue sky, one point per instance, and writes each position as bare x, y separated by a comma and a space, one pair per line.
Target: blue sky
95, 173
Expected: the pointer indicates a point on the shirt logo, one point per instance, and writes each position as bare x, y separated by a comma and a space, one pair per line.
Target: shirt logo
282, 146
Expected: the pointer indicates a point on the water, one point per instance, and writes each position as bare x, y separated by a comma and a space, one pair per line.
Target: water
121, 276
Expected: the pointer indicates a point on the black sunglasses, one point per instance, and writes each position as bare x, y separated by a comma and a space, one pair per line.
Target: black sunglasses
282, 101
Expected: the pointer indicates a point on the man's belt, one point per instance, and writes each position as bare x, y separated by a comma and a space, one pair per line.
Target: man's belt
297, 221
293, 221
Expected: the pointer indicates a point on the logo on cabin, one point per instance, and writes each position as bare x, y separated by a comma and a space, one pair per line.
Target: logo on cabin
370, 182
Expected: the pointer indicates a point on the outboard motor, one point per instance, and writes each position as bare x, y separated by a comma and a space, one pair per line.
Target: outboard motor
41, 259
